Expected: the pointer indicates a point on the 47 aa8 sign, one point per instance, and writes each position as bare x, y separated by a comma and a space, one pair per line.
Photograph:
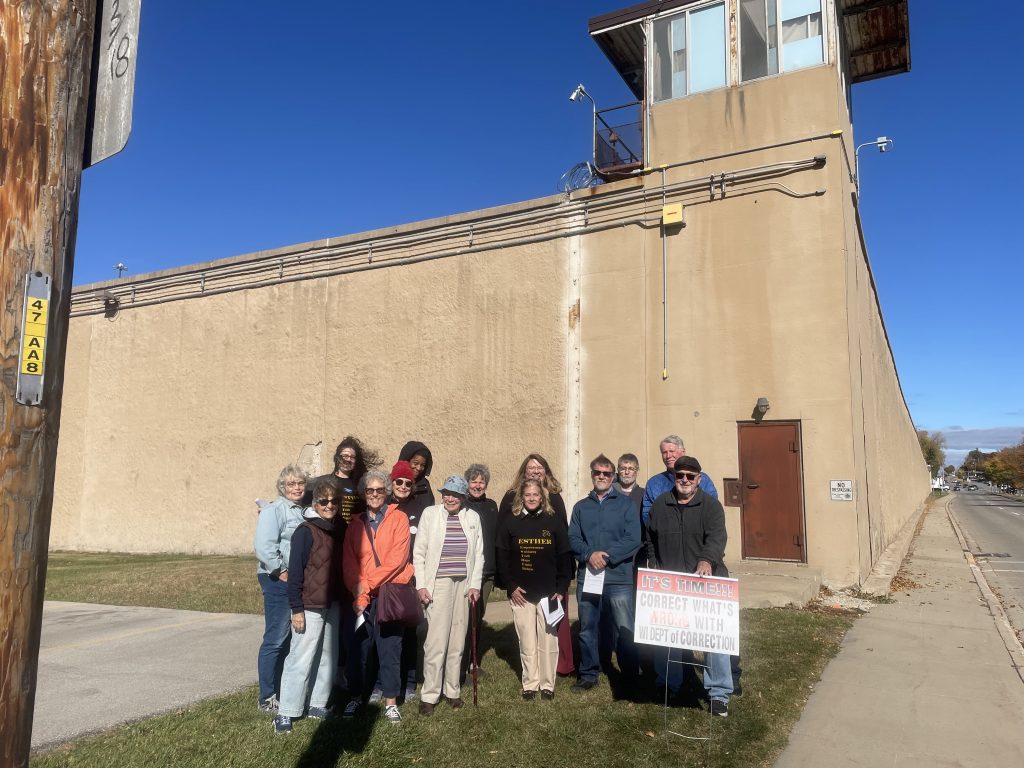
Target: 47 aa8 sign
35, 322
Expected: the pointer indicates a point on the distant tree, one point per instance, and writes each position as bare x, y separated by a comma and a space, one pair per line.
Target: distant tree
1005, 466
949, 469
974, 460
933, 448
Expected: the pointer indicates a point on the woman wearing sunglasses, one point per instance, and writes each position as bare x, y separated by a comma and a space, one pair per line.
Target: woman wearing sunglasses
313, 591
403, 482
376, 552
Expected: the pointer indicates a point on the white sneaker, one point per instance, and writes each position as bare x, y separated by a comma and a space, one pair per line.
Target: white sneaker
410, 692
376, 695
392, 714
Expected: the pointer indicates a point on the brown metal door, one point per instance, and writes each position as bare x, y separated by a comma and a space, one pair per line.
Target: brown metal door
772, 508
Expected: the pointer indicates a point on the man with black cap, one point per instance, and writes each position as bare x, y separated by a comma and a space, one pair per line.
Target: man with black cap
686, 533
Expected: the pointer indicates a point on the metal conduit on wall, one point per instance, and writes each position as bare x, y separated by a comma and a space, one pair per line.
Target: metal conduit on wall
612, 210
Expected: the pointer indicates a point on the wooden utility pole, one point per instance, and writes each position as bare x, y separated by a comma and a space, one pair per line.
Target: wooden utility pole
45, 60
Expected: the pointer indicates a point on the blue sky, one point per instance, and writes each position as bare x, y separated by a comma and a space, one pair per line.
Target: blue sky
258, 125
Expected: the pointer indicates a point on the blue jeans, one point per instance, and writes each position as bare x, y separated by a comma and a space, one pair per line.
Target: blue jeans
277, 629
386, 639
717, 674
313, 655
617, 600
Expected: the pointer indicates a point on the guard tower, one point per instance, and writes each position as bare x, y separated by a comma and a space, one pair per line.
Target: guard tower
758, 298
711, 76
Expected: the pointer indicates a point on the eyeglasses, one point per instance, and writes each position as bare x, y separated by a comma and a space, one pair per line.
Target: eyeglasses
602, 472
687, 476
627, 470
347, 457
295, 483
374, 491
325, 502
401, 482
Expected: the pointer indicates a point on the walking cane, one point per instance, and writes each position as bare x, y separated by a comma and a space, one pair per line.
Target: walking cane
472, 644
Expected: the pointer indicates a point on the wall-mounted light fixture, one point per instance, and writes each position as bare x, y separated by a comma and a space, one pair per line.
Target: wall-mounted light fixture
760, 409
884, 144
578, 95
111, 303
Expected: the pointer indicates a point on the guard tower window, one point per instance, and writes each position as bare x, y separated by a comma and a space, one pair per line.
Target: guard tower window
689, 52
801, 33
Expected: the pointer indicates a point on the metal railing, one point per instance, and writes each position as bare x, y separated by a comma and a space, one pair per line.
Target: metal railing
619, 138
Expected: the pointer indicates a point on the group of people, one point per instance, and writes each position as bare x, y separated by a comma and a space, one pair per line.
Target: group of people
362, 564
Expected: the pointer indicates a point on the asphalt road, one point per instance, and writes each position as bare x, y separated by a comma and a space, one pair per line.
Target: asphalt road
102, 665
994, 527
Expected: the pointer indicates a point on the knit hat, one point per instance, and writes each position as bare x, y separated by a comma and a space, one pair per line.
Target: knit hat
456, 484
687, 462
403, 469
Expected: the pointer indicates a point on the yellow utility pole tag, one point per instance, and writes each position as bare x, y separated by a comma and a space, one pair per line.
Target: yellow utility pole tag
36, 313
32, 362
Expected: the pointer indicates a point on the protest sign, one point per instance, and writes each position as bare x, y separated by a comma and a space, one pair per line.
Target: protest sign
682, 610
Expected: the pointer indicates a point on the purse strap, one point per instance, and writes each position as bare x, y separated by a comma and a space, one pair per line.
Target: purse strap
369, 535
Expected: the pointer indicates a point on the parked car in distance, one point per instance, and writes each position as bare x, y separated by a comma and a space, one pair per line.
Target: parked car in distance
972, 487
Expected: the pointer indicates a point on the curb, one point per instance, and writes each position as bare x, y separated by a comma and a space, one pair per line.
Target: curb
1003, 626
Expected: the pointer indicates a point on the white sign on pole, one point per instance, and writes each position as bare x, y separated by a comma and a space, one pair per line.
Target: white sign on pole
682, 610
841, 490
113, 79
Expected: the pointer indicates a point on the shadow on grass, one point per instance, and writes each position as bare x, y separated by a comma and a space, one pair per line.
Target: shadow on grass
505, 644
334, 737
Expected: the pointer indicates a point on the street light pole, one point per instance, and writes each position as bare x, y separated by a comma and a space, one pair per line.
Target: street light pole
43, 105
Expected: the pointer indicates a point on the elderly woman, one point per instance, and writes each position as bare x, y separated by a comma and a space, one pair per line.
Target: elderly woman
478, 477
277, 522
313, 592
536, 467
448, 558
535, 562
376, 552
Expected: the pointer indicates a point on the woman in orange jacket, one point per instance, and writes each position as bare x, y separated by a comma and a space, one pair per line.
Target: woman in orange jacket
385, 532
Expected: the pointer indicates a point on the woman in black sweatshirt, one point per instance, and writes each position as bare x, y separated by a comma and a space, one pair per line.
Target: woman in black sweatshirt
535, 564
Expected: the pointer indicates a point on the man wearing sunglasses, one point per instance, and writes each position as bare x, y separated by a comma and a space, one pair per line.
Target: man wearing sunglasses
604, 534
671, 449
686, 533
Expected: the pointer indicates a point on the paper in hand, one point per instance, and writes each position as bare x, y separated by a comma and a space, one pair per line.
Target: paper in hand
553, 611
593, 581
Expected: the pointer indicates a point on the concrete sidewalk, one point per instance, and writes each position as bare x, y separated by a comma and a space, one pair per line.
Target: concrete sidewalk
102, 665
930, 680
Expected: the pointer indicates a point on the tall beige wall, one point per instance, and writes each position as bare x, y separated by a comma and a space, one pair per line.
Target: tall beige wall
178, 415
533, 327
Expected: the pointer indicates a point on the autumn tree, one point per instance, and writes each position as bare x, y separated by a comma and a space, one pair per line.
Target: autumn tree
933, 446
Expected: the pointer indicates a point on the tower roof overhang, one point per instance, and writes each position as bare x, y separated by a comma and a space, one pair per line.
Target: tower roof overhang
877, 34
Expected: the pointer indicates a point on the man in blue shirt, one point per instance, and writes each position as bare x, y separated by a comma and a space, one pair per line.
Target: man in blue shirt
604, 534
672, 449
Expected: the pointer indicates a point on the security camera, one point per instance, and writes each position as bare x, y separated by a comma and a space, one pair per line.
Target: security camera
109, 296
